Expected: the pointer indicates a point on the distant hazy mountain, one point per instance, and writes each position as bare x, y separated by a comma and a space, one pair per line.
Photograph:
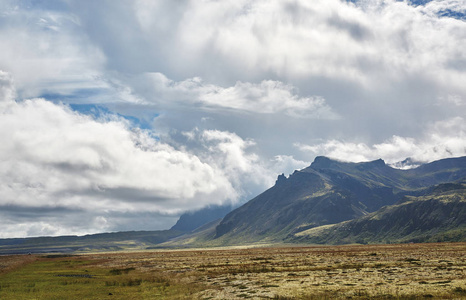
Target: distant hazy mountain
113, 241
329, 192
190, 221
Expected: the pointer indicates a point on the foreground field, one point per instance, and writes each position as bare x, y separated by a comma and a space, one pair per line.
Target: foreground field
409, 271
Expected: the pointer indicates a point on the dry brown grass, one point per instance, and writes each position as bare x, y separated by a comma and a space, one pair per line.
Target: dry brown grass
408, 271
9, 263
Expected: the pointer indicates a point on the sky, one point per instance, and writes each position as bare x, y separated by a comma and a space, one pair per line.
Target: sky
122, 115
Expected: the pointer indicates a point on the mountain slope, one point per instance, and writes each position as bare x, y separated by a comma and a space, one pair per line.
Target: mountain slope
438, 215
304, 198
328, 192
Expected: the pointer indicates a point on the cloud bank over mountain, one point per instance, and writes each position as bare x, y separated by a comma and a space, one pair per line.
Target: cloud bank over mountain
58, 161
230, 94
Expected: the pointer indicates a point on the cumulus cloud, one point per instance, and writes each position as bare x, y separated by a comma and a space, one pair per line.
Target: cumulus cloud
441, 140
93, 158
54, 158
225, 150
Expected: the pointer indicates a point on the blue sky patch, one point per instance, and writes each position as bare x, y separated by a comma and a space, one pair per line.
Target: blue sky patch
99, 111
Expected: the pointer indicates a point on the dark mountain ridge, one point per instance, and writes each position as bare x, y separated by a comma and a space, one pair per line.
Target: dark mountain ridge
329, 192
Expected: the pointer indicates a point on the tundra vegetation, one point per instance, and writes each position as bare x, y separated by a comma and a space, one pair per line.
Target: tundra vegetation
396, 271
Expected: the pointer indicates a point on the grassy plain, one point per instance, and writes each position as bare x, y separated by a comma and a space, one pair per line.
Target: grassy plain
406, 271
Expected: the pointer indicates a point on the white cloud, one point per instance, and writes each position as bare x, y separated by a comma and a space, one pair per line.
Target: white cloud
52, 150
288, 164
371, 44
267, 97
456, 100
441, 140
367, 44
18, 229
346, 151
46, 52
228, 152
434, 7
7, 90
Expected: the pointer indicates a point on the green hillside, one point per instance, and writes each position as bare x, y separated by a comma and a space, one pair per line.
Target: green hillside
438, 215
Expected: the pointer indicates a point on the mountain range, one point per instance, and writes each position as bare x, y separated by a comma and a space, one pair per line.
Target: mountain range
329, 202
339, 202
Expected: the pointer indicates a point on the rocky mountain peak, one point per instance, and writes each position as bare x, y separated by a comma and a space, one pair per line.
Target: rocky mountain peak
280, 179
375, 163
323, 162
